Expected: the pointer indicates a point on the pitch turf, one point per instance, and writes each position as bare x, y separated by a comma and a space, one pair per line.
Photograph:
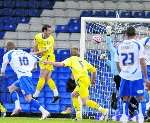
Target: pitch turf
49, 120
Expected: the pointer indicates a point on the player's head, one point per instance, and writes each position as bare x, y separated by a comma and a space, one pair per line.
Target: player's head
10, 46
130, 32
75, 52
46, 29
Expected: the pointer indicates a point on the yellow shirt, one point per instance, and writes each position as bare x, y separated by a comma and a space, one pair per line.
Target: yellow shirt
43, 44
79, 67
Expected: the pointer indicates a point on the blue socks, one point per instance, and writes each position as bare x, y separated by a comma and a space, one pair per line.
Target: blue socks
35, 103
14, 96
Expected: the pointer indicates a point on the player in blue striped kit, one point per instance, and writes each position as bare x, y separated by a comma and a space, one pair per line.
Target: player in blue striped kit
130, 61
22, 63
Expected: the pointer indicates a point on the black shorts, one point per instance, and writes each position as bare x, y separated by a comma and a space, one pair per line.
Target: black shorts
71, 84
117, 80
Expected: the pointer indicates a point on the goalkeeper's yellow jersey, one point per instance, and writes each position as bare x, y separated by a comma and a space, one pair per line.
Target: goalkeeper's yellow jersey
43, 44
80, 67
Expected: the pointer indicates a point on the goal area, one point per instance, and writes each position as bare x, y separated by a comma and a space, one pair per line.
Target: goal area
93, 49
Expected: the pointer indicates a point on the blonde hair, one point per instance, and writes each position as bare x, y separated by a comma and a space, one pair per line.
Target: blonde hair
75, 51
10, 45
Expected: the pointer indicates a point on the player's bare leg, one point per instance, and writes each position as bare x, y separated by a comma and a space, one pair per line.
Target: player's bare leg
12, 89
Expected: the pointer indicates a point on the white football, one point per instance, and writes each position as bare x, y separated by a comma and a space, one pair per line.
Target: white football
97, 38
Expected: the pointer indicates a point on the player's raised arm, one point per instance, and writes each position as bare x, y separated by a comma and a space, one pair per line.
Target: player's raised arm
57, 64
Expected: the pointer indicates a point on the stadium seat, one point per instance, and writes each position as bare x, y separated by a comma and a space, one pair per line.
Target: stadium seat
86, 13
101, 13
53, 108
61, 28
138, 14
126, 14
111, 13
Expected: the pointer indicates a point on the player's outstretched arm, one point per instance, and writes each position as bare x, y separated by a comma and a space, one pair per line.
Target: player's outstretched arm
144, 69
57, 64
93, 77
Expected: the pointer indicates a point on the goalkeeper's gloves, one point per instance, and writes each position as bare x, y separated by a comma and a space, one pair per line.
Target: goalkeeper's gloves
108, 30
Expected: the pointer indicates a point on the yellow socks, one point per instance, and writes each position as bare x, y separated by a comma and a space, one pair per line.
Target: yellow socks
39, 87
53, 87
77, 107
51, 84
40, 84
94, 105
2, 108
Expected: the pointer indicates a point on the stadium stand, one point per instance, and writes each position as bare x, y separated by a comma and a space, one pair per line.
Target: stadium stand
20, 20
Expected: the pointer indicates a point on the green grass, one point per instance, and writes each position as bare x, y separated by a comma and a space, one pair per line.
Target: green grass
49, 120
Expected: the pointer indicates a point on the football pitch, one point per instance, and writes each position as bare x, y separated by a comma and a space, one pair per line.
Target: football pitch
49, 120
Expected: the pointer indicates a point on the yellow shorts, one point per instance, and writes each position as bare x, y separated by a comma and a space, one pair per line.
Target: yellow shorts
48, 66
82, 87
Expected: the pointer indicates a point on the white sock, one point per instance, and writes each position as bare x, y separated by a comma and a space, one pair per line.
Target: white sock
140, 110
17, 104
55, 92
42, 110
36, 94
124, 109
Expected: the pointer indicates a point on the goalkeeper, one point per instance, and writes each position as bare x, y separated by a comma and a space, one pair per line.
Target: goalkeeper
80, 69
111, 63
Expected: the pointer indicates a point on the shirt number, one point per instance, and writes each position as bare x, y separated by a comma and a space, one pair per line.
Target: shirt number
23, 61
128, 58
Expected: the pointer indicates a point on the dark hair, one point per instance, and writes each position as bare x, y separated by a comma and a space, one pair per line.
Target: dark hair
45, 27
10, 46
131, 31
75, 51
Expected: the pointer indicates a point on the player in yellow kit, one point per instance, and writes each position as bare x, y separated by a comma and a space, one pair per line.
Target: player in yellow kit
80, 69
44, 47
2, 110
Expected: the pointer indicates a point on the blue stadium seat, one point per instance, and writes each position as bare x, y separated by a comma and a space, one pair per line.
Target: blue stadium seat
10, 27
48, 101
74, 28
147, 14
22, 19
101, 13
63, 75
65, 101
41, 100
64, 70
9, 3
9, 107
138, 14
74, 21
65, 95
1, 4
22, 4
6, 12
61, 28
111, 13
64, 54
21, 12
34, 12
88, 13
25, 107
48, 93
62, 89
62, 82
53, 108
126, 14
